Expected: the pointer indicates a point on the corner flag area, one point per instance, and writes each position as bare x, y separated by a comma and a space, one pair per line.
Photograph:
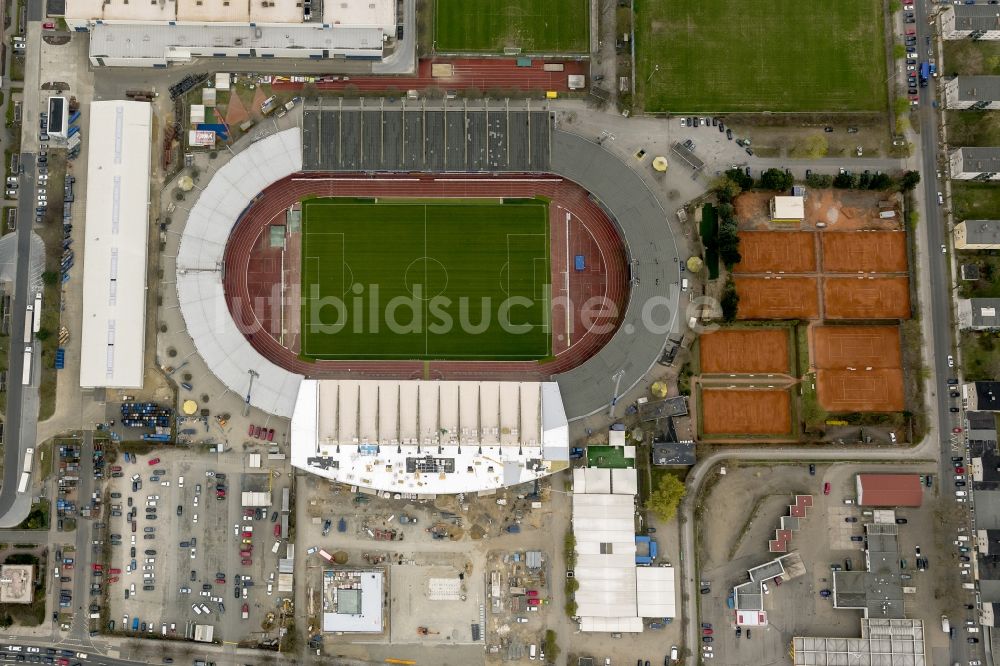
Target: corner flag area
431, 279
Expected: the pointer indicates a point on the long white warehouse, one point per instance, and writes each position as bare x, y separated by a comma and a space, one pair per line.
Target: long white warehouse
114, 268
429, 437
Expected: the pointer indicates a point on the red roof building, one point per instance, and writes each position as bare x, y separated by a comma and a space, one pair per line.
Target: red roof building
889, 490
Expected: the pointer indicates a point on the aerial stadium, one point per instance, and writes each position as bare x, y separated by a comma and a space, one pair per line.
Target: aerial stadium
431, 295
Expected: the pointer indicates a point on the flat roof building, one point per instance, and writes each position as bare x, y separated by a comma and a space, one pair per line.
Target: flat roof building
788, 209
975, 163
17, 583
977, 234
896, 642
155, 34
982, 396
973, 92
979, 314
889, 490
114, 268
352, 600
58, 113
429, 437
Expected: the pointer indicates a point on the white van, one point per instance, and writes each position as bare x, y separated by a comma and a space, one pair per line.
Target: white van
276, 546
196, 609
205, 609
532, 652
684, 284
673, 653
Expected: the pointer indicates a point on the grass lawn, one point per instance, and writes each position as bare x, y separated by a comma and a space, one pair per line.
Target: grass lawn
980, 356
973, 128
969, 58
988, 284
760, 55
975, 201
412, 280
534, 26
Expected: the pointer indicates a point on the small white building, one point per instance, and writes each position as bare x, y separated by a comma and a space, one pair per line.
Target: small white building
788, 209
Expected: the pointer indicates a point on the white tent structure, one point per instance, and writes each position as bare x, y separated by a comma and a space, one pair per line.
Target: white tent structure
614, 594
429, 437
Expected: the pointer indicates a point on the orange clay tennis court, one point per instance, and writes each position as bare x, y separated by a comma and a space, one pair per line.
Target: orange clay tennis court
866, 298
777, 298
878, 390
751, 351
863, 251
841, 347
729, 412
776, 251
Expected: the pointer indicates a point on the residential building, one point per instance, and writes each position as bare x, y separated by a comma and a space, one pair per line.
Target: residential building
972, 92
979, 314
981, 396
964, 21
975, 163
977, 234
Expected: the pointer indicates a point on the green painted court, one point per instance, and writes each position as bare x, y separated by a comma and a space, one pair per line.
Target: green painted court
715, 56
425, 279
534, 26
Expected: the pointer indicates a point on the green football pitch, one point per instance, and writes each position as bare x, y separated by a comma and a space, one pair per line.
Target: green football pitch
425, 279
534, 26
760, 55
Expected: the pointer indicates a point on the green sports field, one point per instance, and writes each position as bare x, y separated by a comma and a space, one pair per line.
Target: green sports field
425, 279
534, 26
760, 55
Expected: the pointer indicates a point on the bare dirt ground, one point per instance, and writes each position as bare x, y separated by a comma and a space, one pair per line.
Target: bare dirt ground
839, 210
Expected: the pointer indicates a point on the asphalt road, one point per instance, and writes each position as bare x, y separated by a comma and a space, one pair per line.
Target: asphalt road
15, 443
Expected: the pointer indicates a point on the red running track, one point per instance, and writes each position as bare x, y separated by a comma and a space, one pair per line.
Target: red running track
253, 271
482, 74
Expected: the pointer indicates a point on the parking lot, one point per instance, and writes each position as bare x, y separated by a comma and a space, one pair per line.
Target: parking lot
741, 512
193, 547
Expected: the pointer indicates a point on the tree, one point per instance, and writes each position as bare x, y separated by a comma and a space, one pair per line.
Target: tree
910, 180
50, 278
776, 179
551, 647
880, 181
843, 181
6, 621
729, 243
740, 177
43, 334
820, 180
725, 211
730, 302
663, 501
727, 189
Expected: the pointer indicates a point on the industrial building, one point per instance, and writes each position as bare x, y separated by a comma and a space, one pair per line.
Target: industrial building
965, 21
979, 314
897, 642
977, 234
976, 163
429, 437
978, 93
615, 594
117, 222
155, 34
889, 490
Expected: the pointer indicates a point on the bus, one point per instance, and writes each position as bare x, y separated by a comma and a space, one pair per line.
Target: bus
29, 457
